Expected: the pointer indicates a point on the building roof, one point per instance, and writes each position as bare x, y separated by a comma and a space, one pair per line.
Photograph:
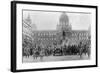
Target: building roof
45, 31
79, 31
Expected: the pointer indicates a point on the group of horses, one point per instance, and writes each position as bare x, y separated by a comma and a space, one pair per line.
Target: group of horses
33, 52
41, 52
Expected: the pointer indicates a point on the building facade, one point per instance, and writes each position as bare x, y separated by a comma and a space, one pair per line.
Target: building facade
63, 35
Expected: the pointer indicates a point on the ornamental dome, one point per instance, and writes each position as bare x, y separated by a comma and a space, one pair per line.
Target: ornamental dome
64, 20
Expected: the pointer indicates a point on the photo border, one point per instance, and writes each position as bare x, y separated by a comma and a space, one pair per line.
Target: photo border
13, 35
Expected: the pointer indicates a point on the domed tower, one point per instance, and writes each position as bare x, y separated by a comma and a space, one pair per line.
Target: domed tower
63, 22
64, 29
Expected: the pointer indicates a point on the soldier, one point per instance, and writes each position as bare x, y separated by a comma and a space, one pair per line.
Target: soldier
80, 49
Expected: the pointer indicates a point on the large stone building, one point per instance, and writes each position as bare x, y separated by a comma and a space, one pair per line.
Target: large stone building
63, 35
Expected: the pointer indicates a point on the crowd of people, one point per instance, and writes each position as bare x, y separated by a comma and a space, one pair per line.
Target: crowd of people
54, 50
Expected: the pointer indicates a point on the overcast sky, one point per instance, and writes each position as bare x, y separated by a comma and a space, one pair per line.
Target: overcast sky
49, 20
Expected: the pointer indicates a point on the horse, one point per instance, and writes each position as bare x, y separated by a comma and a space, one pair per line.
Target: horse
36, 54
85, 49
26, 52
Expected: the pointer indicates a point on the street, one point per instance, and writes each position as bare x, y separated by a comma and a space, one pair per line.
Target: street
54, 58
